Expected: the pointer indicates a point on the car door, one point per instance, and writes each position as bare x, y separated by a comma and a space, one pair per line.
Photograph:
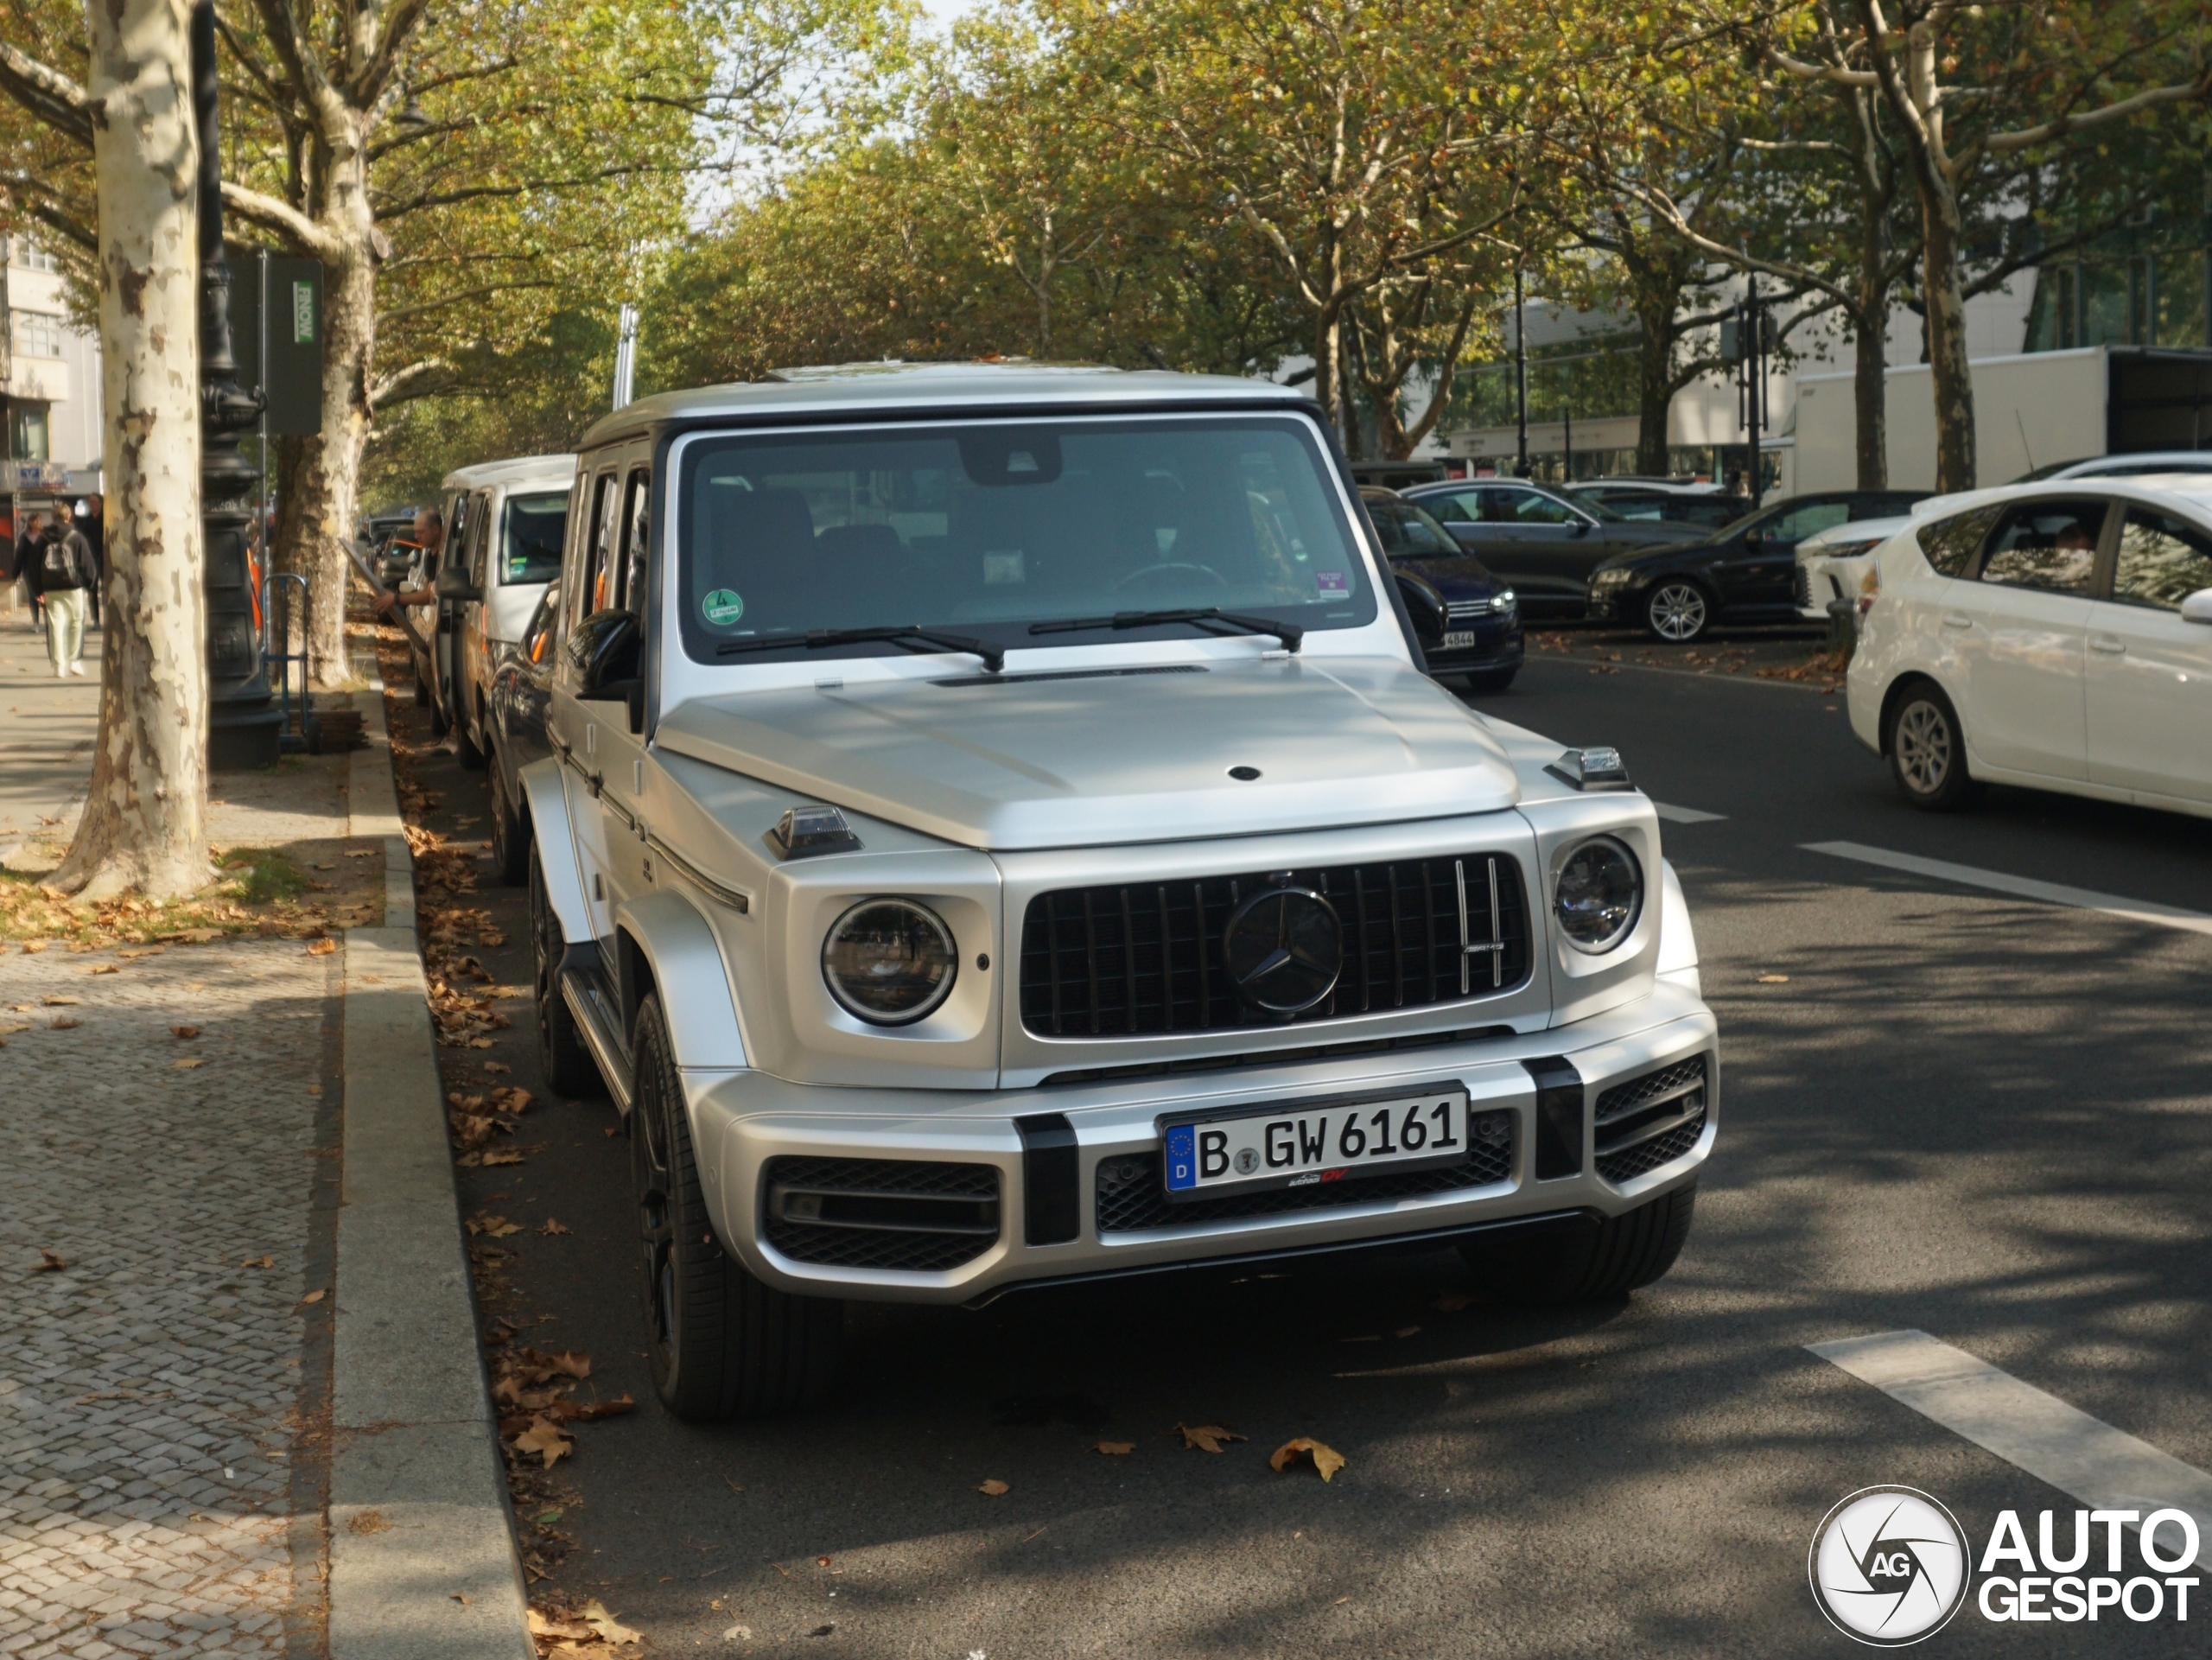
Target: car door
2020, 627
469, 645
2149, 673
621, 751
1460, 512
577, 730
1760, 569
1546, 548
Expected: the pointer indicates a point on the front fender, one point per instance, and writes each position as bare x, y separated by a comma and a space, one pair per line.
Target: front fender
1677, 939
677, 951
556, 838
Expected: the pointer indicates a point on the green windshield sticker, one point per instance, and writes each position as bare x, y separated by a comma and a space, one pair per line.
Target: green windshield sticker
722, 608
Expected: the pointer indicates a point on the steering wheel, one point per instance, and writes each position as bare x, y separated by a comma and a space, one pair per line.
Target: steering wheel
1206, 571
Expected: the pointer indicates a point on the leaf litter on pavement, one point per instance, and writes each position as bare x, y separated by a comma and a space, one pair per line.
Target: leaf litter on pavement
1326, 1460
1206, 1438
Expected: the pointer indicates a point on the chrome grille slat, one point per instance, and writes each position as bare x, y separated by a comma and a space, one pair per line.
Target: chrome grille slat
1145, 959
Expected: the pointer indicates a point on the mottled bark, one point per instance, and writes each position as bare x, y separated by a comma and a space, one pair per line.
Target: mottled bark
1947, 334
144, 826
318, 525
1656, 378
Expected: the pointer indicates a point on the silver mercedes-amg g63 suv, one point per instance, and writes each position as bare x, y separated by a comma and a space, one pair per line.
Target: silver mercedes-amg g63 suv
996, 832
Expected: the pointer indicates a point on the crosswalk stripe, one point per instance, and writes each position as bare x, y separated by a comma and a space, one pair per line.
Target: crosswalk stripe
2083, 1457
2027, 887
1686, 815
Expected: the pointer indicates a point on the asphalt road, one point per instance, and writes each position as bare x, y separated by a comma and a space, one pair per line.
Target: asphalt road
1984, 1117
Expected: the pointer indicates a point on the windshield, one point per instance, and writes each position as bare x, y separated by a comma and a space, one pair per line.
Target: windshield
1410, 533
984, 529
535, 527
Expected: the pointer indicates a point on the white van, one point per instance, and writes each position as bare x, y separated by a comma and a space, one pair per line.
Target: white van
506, 522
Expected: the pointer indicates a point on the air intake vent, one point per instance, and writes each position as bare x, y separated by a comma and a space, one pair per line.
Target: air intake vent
918, 1216
1143, 959
1651, 1121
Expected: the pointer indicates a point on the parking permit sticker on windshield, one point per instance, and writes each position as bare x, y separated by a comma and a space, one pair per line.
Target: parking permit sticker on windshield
722, 608
1331, 581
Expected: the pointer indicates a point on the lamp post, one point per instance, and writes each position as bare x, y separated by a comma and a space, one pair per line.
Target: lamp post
1520, 377
243, 722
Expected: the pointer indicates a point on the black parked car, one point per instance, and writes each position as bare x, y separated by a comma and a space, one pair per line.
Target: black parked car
522, 688
1745, 574
1468, 621
1543, 542
1709, 509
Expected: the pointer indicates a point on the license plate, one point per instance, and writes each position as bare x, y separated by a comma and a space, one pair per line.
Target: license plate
1320, 1141
1462, 639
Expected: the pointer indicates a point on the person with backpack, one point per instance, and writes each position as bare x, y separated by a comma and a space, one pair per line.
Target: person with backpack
24, 555
61, 571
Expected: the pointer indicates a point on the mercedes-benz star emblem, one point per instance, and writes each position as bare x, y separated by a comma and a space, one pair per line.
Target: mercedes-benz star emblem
1284, 948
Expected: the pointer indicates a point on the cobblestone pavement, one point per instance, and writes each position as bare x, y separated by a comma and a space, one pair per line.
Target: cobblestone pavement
164, 1391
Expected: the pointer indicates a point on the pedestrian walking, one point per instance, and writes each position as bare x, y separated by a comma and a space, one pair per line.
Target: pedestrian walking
64, 568
88, 522
26, 557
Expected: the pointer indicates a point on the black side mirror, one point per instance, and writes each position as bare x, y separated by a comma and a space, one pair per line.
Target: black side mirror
1578, 527
452, 583
604, 652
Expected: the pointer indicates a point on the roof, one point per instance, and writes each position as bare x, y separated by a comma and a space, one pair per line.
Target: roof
522, 469
910, 389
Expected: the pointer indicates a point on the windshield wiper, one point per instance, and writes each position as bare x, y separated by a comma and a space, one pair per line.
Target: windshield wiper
815, 639
1288, 632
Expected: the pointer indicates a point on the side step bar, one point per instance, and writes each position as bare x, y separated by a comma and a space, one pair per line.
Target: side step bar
585, 991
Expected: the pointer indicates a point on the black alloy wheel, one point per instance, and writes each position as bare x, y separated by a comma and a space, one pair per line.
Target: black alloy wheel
509, 845
465, 747
720, 1345
567, 1065
1677, 610
1927, 750
1616, 1256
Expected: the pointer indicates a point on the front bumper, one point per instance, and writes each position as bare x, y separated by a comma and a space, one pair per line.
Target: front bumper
743, 1120
1505, 652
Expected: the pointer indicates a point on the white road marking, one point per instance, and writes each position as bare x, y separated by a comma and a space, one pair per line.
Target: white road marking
1686, 815
2083, 1457
2082, 899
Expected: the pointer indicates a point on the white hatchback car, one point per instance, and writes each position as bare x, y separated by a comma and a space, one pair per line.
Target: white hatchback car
2057, 635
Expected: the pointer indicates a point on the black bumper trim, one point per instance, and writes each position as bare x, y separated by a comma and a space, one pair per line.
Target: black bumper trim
1051, 1200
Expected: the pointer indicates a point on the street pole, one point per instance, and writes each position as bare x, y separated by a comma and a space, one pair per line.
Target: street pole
1756, 386
242, 723
1520, 374
1566, 466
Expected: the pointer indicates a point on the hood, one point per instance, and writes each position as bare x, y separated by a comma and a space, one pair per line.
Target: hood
1087, 758
1464, 576
1658, 532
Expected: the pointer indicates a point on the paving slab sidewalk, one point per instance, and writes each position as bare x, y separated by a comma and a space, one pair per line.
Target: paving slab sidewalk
245, 1414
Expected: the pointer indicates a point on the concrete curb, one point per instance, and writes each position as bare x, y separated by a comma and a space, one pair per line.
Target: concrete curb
419, 1518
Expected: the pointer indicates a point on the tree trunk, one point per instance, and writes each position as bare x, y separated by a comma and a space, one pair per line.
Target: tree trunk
1870, 398
1655, 375
1947, 334
329, 473
144, 826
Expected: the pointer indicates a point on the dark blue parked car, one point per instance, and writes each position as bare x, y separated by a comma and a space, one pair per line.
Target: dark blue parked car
1468, 621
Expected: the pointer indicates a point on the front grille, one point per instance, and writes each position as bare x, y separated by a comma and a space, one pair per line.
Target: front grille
917, 1215
1143, 959
1469, 610
1804, 586
1651, 1121
1132, 1197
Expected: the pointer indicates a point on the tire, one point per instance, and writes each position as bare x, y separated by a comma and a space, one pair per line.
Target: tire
1496, 680
1927, 749
720, 1344
1610, 1260
510, 840
421, 686
1678, 611
568, 1068
464, 746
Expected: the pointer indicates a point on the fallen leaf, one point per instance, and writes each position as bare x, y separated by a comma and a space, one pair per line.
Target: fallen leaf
60, 1001
186, 1065
480, 1043
259, 1262
737, 1634
821, 1561
545, 1625
1208, 1438
502, 1155
32, 947
1326, 1460
599, 1620
359, 852
367, 1522
1116, 1448
1340, 1602
184, 1031
322, 947
457, 1597
585, 1411
497, 1067
325, 867
1774, 979
48, 1262
552, 1227
574, 1362
994, 1488
63, 1025
105, 968
498, 1226
314, 1296
543, 1437
608, 1130
546, 1519
1451, 1302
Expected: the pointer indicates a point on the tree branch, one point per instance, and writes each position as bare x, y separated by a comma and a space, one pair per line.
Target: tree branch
300, 232
50, 97
2005, 143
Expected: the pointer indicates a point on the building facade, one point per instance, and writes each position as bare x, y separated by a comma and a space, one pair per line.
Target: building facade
53, 387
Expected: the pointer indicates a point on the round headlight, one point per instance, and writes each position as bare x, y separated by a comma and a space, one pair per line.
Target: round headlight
889, 962
1600, 895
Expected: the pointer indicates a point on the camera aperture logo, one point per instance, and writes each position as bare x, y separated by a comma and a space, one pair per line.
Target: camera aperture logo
1888, 1566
